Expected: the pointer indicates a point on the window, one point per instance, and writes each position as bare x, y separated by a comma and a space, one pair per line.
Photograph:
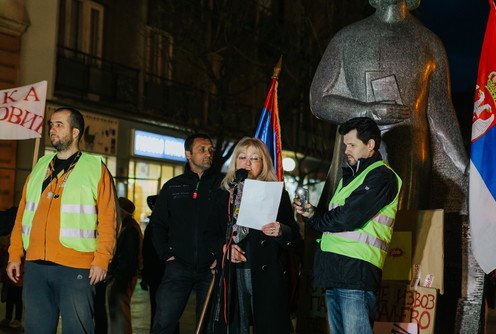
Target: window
81, 26
159, 46
145, 179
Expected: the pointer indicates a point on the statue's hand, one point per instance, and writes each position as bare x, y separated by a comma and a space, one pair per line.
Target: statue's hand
387, 112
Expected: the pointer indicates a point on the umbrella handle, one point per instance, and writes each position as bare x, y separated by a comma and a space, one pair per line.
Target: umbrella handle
205, 304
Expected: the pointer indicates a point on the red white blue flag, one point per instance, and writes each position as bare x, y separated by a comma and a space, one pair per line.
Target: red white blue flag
268, 129
482, 193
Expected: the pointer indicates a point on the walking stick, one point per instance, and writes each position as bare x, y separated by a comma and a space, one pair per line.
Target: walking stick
205, 304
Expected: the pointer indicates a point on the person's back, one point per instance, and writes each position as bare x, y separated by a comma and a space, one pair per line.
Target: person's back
123, 270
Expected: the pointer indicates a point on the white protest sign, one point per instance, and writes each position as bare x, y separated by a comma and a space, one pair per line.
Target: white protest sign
22, 111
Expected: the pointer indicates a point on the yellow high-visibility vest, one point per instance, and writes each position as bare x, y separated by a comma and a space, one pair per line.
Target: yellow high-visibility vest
78, 212
370, 242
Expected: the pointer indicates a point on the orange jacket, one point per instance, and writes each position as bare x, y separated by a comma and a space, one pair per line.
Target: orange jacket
44, 241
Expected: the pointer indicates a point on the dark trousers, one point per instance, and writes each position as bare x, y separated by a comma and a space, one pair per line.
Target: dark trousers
50, 290
152, 289
173, 293
101, 322
14, 300
120, 292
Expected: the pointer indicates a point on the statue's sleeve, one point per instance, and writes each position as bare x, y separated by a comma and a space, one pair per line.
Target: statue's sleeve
443, 121
330, 97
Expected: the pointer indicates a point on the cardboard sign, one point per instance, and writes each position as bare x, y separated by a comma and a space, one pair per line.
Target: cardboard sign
399, 258
395, 328
422, 232
398, 302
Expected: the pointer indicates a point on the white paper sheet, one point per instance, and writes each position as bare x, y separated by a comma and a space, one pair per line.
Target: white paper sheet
259, 204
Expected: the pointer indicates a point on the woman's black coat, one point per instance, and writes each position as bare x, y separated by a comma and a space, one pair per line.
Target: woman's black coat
269, 272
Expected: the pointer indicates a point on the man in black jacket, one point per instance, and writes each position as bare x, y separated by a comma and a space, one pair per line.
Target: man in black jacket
186, 235
357, 230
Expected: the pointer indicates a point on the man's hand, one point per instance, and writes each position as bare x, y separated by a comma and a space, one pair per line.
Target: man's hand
14, 271
213, 265
97, 274
309, 208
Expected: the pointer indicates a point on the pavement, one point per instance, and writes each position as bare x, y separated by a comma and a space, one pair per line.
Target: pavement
140, 310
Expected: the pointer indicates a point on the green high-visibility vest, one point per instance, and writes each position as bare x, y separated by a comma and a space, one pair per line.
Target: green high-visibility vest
370, 242
78, 212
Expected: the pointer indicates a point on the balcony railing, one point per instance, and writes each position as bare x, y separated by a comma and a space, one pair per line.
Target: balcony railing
95, 79
172, 101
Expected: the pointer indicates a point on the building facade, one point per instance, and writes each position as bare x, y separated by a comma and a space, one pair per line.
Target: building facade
146, 74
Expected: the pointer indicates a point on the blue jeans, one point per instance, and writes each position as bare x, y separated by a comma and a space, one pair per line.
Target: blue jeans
50, 290
351, 311
173, 293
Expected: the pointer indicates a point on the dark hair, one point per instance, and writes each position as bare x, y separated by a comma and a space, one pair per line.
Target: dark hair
366, 129
76, 119
188, 143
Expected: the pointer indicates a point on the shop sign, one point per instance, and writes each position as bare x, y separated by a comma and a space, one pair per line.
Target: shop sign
158, 146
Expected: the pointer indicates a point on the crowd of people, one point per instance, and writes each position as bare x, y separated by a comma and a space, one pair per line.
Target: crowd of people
77, 251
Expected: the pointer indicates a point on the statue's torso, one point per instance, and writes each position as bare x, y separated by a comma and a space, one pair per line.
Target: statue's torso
395, 62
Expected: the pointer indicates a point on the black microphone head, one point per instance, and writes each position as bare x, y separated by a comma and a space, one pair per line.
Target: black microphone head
240, 175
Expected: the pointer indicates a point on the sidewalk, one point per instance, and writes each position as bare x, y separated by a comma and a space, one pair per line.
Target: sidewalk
140, 309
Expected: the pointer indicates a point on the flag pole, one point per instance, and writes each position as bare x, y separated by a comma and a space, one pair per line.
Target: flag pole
268, 128
36, 151
277, 69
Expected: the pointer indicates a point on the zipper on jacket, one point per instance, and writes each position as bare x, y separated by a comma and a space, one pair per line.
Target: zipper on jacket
353, 172
197, 225
195, 193
46, 220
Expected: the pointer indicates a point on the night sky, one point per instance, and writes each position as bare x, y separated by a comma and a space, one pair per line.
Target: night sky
461, 25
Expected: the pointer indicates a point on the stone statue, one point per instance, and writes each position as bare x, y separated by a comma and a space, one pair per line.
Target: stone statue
393, 69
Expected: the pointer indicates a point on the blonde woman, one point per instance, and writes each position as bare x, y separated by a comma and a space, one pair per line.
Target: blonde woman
262, 286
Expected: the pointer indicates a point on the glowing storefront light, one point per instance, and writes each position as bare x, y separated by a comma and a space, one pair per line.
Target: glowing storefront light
158, 146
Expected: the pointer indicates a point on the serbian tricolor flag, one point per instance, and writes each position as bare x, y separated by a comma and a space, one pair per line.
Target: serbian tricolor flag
268, 129
482, 193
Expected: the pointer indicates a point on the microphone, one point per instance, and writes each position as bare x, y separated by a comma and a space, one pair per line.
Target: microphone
239, 176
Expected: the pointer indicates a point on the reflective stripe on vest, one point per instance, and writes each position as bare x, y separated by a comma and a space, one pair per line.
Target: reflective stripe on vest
370, 242
76, 233
31, 206
78, 208
363, 237
33, 193
26, 229
78, 212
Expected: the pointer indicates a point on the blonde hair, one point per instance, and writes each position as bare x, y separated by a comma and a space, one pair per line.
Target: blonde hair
267, 174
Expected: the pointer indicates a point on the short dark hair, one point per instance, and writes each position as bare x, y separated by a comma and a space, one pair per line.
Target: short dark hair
366, 129
76, 119
188, 143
